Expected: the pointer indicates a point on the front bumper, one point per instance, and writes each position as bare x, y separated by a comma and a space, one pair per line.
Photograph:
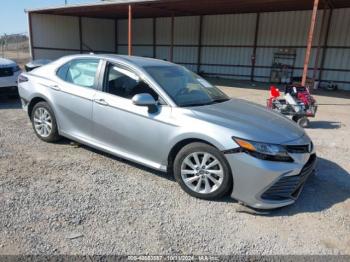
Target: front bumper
9, 81
267, 185
8, 84
9, 90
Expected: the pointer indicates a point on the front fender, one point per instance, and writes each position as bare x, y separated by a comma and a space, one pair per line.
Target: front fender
196, 136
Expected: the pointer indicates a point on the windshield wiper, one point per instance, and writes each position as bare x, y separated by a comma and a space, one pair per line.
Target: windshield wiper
197, 104
220, 100
214, 101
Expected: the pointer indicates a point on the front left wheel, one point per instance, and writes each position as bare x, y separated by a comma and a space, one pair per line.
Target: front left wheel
44, 122
202, 171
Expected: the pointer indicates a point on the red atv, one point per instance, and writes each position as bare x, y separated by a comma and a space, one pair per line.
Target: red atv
298, 103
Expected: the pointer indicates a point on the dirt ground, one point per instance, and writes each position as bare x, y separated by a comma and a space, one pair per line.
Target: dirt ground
64, 199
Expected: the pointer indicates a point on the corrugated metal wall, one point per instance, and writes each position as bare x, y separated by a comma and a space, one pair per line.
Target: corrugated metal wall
163, 38
55, 36
142, 37
186, 36
185, 39
337, 58
98, 34
227, 41
284, 30
50, 31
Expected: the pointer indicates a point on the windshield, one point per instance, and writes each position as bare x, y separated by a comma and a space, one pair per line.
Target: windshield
185, 87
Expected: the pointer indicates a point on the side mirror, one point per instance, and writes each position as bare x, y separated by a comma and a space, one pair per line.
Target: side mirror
144, 99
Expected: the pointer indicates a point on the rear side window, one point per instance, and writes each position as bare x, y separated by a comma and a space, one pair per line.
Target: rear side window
81, 72
62, 71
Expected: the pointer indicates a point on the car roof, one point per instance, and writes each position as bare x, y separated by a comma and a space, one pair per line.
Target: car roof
132, 60
138, 60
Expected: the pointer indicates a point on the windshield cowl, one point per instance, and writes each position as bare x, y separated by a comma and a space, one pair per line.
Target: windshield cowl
217, 101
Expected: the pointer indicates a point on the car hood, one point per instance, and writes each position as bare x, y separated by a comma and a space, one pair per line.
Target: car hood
6, 63
250, 121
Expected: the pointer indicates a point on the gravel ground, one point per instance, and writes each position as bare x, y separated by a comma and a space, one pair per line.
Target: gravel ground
68, 199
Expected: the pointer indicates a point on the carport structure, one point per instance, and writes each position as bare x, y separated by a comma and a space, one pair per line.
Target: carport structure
222, 38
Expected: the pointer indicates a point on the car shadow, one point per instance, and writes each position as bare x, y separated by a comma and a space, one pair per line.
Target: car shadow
328, 187
324, 125
158, 173
10, 103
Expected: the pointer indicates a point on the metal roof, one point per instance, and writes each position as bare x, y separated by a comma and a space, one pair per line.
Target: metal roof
163, 8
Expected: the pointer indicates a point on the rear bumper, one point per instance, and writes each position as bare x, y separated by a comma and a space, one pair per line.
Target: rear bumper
267, 185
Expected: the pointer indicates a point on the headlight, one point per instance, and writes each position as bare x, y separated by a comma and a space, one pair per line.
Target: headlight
270, 152
16, 69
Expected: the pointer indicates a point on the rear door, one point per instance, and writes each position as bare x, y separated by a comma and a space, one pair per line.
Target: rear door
73, 94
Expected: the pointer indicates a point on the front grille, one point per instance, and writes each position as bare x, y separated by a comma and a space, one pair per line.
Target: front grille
288, 187
6, 71
299, 149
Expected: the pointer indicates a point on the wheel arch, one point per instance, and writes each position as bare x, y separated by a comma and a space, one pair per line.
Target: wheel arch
179, 145
33, 102
39, 97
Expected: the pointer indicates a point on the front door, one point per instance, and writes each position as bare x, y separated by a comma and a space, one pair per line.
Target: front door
129, 130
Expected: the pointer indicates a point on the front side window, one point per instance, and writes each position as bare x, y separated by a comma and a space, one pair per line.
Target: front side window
185, 87
80, 72
121, 82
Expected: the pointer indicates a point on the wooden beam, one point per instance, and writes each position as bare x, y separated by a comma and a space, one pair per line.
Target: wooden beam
325, 44
31, 35
309, 41
255, 46
154, 37
116, 36
199, 48
172, 38
320, 37
130, 31
80, 36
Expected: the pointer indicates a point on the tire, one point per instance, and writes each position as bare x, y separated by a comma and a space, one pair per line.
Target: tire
303, 122
42, 115
295, 119
220, 172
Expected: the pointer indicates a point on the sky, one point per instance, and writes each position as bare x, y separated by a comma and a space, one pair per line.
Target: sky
13, 19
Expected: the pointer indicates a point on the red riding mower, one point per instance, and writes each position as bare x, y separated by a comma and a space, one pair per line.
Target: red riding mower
297, 104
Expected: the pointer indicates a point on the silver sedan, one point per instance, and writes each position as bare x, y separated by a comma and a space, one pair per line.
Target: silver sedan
164, 116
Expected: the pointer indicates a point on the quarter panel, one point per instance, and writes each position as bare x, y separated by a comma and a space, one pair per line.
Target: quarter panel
36, 88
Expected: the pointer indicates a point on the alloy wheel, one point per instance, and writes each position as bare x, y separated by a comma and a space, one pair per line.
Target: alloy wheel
42, 122
202, 172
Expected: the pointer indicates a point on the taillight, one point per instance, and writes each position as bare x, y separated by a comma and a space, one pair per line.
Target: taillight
22, 78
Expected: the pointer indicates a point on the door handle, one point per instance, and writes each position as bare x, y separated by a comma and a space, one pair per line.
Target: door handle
55, 87
52, 86
101, 101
